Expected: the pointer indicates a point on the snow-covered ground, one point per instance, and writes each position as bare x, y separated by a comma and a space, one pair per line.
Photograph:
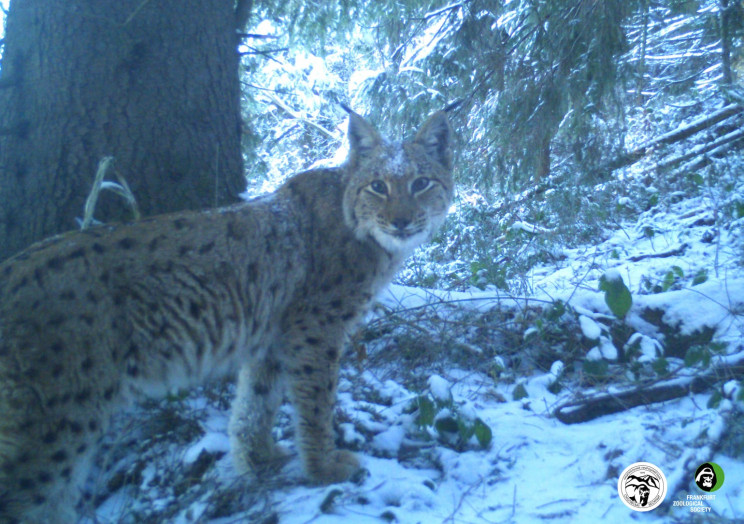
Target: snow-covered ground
533, 468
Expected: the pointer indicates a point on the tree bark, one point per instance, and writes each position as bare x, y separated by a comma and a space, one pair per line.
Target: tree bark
152, 83
641, 70
725, 22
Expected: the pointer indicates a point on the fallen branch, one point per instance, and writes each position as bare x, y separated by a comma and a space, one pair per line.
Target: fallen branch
711, 147
597, 406
700, 161
682, 132
294, 114
673, 253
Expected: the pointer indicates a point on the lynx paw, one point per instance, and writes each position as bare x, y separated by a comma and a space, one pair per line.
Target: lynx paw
257, 463
338, 466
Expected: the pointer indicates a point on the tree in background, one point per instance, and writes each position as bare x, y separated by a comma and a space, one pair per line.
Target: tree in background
548, 88
525, 71
152, 83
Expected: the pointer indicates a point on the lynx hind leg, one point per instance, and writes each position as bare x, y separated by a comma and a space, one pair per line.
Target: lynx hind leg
43, 464
49, 430
312, 377
259, 396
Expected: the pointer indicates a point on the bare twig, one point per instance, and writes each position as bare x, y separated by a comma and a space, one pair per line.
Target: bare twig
135, 12
105, 166
257, 36
294, 114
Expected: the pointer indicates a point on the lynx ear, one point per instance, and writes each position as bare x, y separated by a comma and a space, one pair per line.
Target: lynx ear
436, 137
363, 137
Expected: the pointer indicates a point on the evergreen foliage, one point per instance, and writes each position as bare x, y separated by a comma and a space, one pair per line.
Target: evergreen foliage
548, 87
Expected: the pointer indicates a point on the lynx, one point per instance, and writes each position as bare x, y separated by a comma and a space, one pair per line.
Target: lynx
91, 321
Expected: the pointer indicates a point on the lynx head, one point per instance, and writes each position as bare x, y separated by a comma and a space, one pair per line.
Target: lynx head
398, 193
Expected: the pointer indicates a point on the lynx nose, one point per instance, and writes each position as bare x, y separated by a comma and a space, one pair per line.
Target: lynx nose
400, 223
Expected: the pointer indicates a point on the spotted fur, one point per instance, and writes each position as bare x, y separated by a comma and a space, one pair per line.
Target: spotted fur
92, 320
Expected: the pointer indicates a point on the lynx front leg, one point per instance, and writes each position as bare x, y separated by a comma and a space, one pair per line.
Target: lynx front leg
313, 376
258, 398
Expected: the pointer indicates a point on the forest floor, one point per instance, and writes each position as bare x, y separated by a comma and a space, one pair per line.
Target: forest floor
449, 398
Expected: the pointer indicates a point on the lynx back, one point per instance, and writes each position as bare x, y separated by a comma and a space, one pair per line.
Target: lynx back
90, 321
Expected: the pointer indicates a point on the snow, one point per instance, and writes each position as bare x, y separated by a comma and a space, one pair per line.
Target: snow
650, 347
591, 329
389, 441
211, 442
613, 275
683, 307
440, 388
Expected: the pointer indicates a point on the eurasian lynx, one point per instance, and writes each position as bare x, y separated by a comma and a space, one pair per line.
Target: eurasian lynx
91, 320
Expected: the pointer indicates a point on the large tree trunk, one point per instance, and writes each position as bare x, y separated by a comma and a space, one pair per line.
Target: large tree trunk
725, 26
153, 83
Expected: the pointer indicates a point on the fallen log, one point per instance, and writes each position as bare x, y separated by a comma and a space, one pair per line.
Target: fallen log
682, 132
596, 406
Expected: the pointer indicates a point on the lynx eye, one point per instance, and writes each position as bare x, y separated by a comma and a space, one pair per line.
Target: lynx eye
420, 184
379, 187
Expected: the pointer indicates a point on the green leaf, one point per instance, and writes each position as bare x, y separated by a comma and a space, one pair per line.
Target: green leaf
617, 295
668, 281
671, 278
557, 310
482, 433
427, 411
715, 399
446, 424
465, 429
739, 209
718, 348
596, 369
519, 392
660, 366
694, 355
700, 277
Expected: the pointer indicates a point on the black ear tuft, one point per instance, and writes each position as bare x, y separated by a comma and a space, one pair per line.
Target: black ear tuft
436, 136
363, 137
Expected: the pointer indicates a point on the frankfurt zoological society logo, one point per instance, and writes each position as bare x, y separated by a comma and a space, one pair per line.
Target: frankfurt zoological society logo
642, 486
709, 476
